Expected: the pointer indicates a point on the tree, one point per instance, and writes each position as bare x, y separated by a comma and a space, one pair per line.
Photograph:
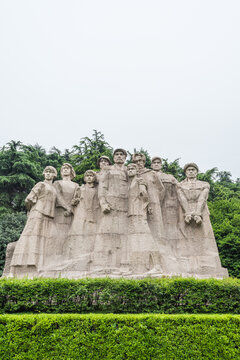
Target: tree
85, 155
225, 219
11, 227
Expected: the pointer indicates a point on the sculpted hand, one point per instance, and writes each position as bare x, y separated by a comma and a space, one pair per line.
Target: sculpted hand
150, 211
188, 218
197, 219
74, 202
106, 209
68, 212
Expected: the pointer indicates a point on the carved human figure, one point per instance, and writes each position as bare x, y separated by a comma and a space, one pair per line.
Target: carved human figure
104, 162
199, 253
155, 192
81, 237
110, 244
66, 193
169, 201
142, 249
28, 256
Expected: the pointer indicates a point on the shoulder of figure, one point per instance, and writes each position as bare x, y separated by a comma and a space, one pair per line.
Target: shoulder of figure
40, 184
182, 182
203, 184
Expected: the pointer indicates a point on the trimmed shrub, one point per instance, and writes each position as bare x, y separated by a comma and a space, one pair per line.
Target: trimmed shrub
171, 296
93, 336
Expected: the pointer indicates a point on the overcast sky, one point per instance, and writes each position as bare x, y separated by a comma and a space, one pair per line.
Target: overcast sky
162, 75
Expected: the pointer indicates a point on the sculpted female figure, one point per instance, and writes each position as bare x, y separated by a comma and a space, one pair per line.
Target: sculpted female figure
198, 251
80, 243
66, 193
29, 251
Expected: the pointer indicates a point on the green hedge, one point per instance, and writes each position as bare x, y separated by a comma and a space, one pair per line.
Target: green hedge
74, 336
120, 296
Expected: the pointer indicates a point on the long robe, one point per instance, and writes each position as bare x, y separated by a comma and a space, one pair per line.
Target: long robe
39, 231
110, 250
82, 234
66, 192
143, 252
197, 251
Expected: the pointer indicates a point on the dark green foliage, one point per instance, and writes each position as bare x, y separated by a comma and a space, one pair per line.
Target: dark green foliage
21, 168
173, 168
225, 218
45, 337
85, 155
11, 226
173, 296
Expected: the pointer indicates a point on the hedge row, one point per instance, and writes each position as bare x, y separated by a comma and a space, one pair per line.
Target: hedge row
170, 296
74, 336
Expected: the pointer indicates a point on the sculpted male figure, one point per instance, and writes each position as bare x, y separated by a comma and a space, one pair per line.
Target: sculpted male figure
155, 192
143, 252
110, 245
199, 246
103, 163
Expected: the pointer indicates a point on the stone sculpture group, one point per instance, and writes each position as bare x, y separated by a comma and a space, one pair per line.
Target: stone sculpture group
123, 222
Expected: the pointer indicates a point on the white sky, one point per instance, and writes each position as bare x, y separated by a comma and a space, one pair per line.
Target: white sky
163, 75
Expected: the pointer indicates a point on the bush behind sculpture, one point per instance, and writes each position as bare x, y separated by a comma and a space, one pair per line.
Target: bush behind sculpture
173, 296
74, 336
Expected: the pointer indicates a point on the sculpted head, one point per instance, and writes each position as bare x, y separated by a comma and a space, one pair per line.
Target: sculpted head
90, 177
67, 170
119, 156
104, 162
191, 170
49, 173
139, 159
156, 163
132, 169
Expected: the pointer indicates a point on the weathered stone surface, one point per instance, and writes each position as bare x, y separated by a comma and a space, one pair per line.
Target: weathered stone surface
125, 221
197, 249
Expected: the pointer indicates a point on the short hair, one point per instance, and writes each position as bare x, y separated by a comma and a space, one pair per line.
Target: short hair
143, 157
73, 174
156, 158
122, 150
52, 169
190, 165
90, 172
